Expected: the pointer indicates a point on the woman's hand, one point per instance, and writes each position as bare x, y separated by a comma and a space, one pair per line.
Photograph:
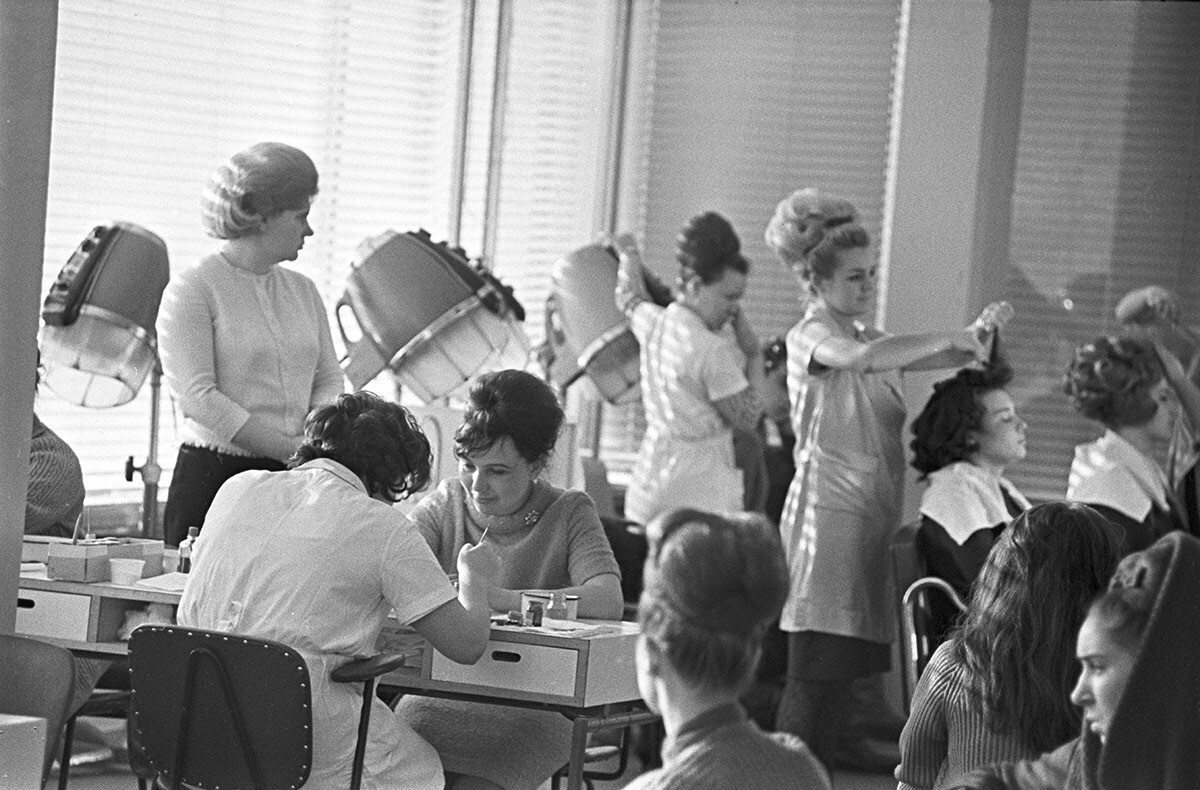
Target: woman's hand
970, 343
478, 569
992, 319
631, 287
1152, 304
746, 339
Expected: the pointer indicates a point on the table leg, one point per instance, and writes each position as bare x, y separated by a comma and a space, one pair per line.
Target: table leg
579, 735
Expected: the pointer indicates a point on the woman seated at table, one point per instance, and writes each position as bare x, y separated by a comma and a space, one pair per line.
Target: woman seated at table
966, 436
714, 584
316, 557
1139, 392
546, 537
998, 689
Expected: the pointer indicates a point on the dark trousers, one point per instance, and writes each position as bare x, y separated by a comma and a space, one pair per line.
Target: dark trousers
199, 473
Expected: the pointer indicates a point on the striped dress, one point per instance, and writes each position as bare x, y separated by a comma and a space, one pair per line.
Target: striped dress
946, 736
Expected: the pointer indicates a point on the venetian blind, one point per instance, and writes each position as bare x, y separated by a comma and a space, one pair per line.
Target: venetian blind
749, 102
1105, 197
151, 95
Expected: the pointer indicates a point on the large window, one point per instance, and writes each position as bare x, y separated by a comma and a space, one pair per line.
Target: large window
151, 95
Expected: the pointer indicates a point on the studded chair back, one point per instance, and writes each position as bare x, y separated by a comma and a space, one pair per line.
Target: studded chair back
216, 710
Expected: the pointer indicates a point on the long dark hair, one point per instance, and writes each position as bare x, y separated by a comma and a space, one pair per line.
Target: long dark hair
1017, 641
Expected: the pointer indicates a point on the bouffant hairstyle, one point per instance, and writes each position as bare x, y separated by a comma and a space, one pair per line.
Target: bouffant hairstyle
256, 184
377, 440
1017, 640
942, 431
510, 403
712, 585
810, 229
1110, 381
707, 247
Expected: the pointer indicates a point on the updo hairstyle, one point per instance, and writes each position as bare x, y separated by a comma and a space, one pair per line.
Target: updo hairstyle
510, 403
707, 247
713, 584
942, 431
1110, 381
377, 440
1016, 643
810, 229
256, 184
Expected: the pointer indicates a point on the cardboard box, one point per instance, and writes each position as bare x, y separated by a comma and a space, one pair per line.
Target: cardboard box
87, 561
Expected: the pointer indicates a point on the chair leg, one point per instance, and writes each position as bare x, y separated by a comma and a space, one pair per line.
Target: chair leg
364, 724
64, 768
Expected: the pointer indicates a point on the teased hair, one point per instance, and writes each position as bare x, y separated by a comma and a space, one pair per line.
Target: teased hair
377, 440
1110, 380
1017, 639
256, 184
713, 584
515, 404
941, 432
810, 229
707, 247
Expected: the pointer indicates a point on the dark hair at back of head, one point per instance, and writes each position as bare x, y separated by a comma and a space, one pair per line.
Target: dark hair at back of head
1017, 640
707, 247
1109, 380
377, 440
810, 229
941, 432
1125, 612
713, 583
515, 404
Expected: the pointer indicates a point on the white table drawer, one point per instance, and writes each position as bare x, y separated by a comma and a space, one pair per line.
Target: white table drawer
515, 666
53, 614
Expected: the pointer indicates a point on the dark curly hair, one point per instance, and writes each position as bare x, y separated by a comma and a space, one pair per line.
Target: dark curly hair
1110, 381
942, 431
713, 583
510, 403
810, 229
376, 440
1017, 641
707, 247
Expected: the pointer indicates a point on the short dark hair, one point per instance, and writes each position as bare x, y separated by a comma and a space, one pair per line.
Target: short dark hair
941, 432
713, 583
510, 403
1110, 379
379, 441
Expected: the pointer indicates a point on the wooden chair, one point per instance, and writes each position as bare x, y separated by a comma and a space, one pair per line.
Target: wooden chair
37, 679
907, 566
920, 628
218, 710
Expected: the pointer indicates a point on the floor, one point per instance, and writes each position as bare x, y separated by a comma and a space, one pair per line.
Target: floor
111, 775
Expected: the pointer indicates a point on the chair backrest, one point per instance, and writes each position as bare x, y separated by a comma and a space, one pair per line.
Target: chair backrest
907, 565
37, 679
924, 625
218, 710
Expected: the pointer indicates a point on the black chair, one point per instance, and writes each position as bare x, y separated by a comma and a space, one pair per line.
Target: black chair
37, 679
217, 710
922, 625
102, 703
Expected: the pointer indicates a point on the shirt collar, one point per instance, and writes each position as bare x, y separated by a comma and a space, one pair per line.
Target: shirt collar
337, 470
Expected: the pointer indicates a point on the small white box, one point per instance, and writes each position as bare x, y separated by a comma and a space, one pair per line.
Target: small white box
22, 751
53, 614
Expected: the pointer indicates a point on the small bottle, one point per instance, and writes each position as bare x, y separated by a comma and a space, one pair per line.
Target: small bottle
558, 606
185, 550
534, 615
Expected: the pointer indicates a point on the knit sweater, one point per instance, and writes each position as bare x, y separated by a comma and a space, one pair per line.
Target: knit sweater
722, 749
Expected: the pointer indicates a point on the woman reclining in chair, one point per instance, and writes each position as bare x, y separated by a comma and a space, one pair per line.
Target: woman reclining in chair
316, 557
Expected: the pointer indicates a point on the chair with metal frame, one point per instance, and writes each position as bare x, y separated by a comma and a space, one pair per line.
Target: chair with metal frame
920, 626
37, 679
213, 709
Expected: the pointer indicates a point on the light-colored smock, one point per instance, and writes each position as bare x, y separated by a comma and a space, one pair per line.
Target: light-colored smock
234, 343
307, 558
686, 456
843, 506
513, 748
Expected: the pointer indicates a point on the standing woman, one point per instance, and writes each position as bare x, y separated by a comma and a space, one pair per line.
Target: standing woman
701, 368
844, 502
245, 344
